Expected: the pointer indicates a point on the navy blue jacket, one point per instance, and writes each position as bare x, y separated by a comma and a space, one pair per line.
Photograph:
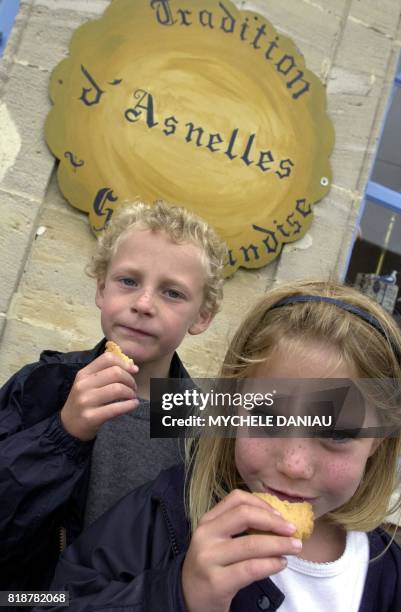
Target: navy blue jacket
44, 471
130, 560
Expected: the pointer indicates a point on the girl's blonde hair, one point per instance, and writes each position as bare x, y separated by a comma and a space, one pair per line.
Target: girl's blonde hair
181, 225
367, 351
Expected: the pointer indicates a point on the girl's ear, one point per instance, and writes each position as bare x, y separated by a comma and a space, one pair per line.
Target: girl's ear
375, 445
100, 292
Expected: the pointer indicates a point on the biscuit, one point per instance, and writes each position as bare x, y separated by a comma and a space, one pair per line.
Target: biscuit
298, 513
112, 347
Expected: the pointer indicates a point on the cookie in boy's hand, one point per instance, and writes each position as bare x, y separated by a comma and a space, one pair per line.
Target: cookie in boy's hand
298, 513
112, 347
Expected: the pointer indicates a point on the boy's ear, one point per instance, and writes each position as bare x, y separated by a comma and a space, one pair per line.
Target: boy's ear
99, 292
201, 324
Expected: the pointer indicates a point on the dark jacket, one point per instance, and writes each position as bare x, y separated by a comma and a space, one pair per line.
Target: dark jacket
130, 560
44, 471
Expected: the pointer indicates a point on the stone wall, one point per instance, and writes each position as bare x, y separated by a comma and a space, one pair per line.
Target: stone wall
46, 301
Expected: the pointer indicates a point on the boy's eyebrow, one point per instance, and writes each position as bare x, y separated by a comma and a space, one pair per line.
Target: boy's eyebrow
118, 270
168, 280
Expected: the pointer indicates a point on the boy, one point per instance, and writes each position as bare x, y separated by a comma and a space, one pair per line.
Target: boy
64, 457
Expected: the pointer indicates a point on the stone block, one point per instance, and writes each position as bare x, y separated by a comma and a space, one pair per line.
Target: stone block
4, 70
47, 309
316, 256
398, 33
348, 238
363, 50
18, 215
26, 99
86, 7
379, 17
353, 100
22, 343
10, 143
47, 36
334, 7
59, 255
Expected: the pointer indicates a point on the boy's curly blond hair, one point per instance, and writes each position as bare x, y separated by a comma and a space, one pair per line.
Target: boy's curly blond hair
181, 225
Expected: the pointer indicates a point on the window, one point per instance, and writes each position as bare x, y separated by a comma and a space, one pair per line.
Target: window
376, 252
8, 13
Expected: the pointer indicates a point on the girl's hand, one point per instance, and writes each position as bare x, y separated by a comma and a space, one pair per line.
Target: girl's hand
101, 391
217, 565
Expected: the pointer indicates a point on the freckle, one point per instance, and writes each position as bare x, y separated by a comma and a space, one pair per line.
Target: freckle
337, 469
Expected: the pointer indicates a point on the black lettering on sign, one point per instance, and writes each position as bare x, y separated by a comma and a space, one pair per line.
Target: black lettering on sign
171, 125
303, 89
208, 21
253, 249
273, 45
286, 165
184, 14
231, 260
293, 223
87, 90
163, 12
228, 22
231, 144
270, 242
286, 64
265, 159
281, 229
244, 28
247, 31
245, 155
103, 196
261, 31
133, 114
191, 130
214, 140
73, 159
303, 207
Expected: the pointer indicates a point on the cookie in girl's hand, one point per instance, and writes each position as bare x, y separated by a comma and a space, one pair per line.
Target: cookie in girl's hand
298, 513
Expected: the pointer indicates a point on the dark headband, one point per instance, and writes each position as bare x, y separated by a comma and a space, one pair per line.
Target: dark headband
359, 312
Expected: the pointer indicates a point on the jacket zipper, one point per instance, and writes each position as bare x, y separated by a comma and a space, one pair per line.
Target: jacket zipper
173, 540
62, 538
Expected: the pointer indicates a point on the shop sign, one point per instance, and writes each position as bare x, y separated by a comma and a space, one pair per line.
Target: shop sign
198, 103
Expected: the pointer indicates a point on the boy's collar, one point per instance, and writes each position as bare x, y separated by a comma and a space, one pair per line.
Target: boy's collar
177, 369
74, 357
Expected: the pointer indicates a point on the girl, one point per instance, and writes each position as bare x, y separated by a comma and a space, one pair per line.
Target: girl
153, 552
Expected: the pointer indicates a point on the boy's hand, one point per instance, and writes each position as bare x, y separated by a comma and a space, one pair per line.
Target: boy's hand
217, 565
101, 391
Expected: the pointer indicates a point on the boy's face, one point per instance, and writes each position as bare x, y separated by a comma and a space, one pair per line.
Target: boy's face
152, 296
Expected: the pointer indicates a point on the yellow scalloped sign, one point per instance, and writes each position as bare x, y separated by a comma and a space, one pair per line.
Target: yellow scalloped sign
197, 103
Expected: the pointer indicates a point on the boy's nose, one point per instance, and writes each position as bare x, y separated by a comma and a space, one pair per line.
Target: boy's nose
144, 302
296, 459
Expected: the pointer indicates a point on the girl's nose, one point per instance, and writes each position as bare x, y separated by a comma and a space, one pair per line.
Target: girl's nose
296, 459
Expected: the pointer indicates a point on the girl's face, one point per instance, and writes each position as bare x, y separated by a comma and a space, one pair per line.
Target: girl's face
324, 471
